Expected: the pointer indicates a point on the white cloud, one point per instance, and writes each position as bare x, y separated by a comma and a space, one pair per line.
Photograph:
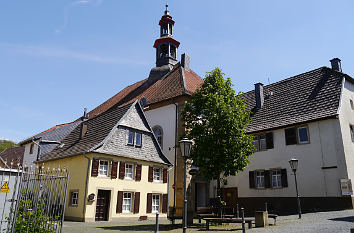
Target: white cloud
42, 51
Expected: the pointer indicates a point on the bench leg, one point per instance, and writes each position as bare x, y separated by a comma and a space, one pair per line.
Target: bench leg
200, 220
207, 225
275, 221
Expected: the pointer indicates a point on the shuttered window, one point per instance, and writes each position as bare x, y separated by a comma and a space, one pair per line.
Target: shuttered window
263, 141
94, 169
251, 179
164, 203
138, 172
119, 202
129, 171
136, 202
103, 169
268, 179
276, 179
114, 169
297, 135
127, 202
165, 175
260, 179
150, 175
155, 203
149, 203
121, 170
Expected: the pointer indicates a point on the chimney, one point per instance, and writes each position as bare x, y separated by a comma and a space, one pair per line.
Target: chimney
186, 61
336, 64
259, 95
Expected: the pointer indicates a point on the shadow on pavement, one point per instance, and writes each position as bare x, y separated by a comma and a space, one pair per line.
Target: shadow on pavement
162, 227
343, 219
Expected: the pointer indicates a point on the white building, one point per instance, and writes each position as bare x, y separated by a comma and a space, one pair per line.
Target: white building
309, 117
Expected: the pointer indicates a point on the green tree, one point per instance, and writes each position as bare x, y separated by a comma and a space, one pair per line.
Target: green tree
216, 119
4, 144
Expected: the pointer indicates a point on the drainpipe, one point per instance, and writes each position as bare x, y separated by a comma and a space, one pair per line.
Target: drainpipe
175, 163
86, 184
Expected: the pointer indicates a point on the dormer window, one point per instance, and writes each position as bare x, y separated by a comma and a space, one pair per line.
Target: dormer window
131, 137
138, 138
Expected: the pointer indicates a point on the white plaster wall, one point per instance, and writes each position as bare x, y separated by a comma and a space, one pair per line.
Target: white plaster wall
165, 117
28, 158
324, 149
346, 118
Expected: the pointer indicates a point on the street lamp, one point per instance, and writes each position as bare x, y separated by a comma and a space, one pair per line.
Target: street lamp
293, 164
186, 146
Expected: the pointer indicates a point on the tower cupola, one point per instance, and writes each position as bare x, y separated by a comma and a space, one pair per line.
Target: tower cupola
166, 47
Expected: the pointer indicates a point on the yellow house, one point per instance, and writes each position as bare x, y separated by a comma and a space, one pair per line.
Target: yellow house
117, 168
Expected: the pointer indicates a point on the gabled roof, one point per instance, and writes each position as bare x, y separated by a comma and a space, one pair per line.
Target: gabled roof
177, 82
99, 129
306, 97
13, 154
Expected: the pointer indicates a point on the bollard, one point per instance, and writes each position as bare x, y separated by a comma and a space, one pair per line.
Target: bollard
266, 207
157, 222
237, 211
243, 220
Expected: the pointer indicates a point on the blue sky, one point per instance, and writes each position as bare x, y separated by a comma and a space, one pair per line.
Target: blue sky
57, 57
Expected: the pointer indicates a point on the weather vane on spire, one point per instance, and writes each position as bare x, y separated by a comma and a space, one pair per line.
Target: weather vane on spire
166, 11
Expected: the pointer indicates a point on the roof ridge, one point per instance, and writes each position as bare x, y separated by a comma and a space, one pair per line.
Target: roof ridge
287, 79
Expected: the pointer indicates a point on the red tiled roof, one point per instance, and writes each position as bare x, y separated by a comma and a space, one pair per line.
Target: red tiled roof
170, 86
13, 154
193, 81
55, 127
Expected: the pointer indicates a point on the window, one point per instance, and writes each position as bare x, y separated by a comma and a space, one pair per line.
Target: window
138, 138
131, 138
255, 143
31, 148
158, 134
127, 202
263, 141
297, 135
260, 179
276, 178
74, 198
302, 135
157, 174
352, 104
352, 132
128, 171
155, 203
103, 169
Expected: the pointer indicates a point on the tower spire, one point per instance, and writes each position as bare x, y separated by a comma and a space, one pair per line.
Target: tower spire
166, 11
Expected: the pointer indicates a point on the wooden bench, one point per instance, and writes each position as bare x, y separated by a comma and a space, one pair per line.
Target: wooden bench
228, 220
273, 216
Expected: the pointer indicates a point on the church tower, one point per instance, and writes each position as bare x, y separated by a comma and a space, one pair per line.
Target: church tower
166, 48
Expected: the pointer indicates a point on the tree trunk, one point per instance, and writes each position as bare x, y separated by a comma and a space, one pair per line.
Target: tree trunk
218, 194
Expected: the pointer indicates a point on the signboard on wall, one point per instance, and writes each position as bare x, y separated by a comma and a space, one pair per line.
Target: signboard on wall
346, 187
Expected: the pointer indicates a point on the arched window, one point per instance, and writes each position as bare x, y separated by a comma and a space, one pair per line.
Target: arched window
158, 134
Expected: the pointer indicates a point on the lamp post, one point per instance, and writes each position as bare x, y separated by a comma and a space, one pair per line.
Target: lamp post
186, 146
293, 164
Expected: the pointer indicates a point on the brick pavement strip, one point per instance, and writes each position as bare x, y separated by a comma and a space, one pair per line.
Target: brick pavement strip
324, 222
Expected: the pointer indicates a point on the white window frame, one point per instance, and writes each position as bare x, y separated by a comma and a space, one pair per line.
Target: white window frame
155, 205
101, 171
262, 142
74, 198
126, 203
130, 132
276, 178
260, 179
298, 135
136, 139
155, 176
129, 166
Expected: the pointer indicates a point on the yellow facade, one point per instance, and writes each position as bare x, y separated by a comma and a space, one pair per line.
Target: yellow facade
80, 174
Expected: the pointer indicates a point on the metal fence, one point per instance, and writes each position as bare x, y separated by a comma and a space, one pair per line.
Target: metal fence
33, 199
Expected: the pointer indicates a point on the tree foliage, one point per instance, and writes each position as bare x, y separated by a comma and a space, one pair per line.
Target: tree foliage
216, 119
4, 144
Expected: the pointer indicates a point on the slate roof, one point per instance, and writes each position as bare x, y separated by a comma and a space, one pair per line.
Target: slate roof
177, 82
13, 154
306, 97
98, 128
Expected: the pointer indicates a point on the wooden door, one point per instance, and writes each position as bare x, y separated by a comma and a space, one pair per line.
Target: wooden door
102, 205
230, 196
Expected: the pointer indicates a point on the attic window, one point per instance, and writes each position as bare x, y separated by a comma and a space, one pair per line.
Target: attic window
31, 148
131, 138
352, 104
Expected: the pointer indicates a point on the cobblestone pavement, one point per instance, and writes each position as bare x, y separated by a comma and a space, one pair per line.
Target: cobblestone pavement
323, 222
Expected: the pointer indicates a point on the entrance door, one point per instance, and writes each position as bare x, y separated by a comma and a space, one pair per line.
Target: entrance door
102, 206
201, 194
230, 196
